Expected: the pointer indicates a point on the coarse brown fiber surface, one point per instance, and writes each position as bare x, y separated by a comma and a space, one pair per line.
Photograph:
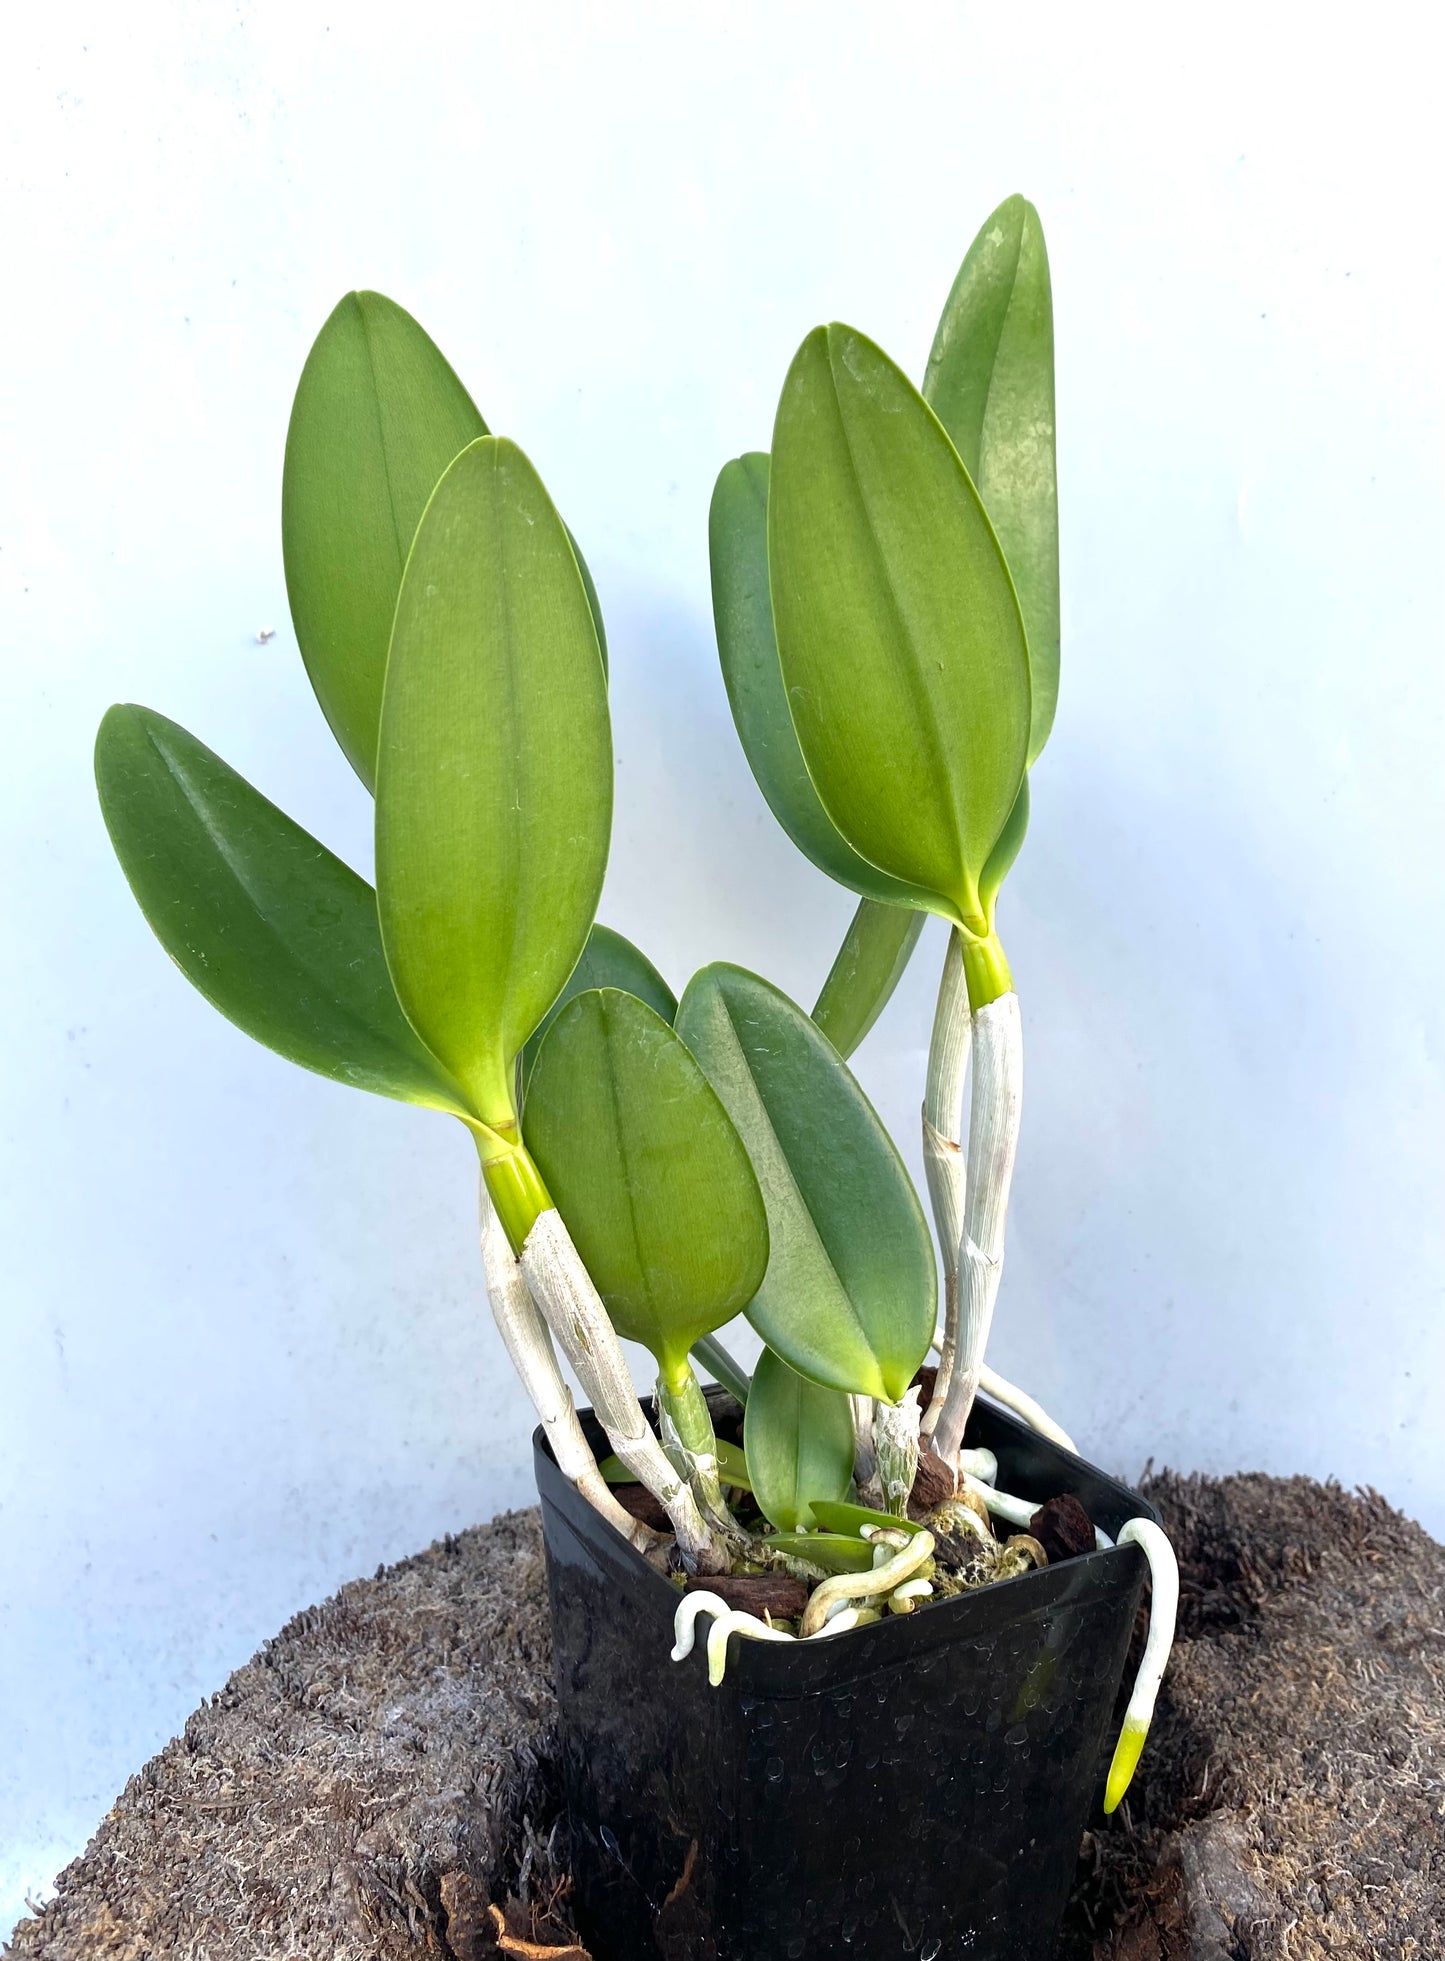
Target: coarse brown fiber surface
383, 1771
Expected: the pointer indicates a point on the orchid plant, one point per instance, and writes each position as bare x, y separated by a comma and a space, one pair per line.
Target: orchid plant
886, 596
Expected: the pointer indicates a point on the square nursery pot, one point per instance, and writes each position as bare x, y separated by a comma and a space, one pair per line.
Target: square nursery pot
917, 1788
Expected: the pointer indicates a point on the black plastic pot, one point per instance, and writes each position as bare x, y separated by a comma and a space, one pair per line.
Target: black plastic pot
917, 1788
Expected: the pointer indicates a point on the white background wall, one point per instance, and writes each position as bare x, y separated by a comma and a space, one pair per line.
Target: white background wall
245, 1349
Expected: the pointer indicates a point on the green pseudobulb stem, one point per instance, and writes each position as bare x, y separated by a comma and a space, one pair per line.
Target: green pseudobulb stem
985, 969
685, 1408
514, 1184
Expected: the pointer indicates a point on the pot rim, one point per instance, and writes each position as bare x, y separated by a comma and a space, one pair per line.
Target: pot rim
789, 1669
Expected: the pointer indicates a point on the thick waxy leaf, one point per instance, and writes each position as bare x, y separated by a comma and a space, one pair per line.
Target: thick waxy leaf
875, 953
1010, 844
851, 1289
747, 645
274, 931
798, 1439
494, 787
990, 381
608, 960
830, 1550
722, 1367
902, 647
841, 1517
870, 964
378, 416
647, 1171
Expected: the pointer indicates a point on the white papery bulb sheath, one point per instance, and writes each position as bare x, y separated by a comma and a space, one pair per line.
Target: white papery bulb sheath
563, 1289
995, 1107
525, 1338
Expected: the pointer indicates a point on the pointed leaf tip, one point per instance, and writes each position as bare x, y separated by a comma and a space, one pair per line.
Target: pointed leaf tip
899, 634
263, 920
990, 380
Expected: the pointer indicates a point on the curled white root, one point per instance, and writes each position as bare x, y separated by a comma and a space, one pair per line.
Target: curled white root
748, 1626
880, 1536
1022, 1404
852, 1587
901, 1600
1018, 1511
727, 1621
1163, 1611
684, 1621
845, 1619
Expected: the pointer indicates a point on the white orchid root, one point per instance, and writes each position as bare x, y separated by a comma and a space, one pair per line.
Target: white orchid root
1017, 1511
524, 1335
850, 1588
727, 1622
1022, 1404
993, 1130
563, 1289
980, 1464
846, 1601
1163, 1612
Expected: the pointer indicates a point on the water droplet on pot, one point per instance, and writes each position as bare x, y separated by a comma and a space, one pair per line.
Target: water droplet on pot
774, 1768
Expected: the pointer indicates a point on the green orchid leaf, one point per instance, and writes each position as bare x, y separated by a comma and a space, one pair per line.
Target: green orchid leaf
608, 960
722, 1367
748, 648
589, 586
1010, 843
494, 786
871, 961
990, 381
899, 633
273, 930
835, 1516
831, 1550
851, 1289
798, 1440
378, 417
648, 1173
